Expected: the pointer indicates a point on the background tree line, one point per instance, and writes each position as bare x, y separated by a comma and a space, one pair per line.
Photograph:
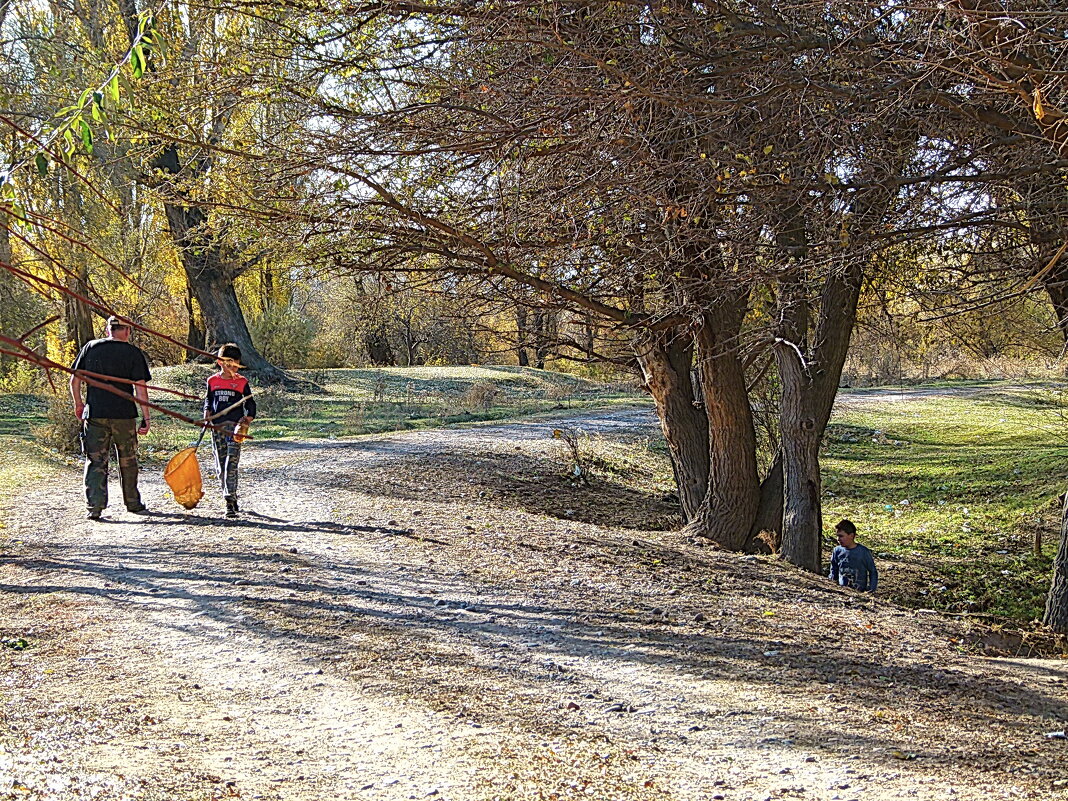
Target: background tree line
710, 195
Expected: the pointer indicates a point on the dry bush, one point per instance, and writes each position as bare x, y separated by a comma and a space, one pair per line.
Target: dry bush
379, 388
271, 401
481, 396
356, 416
573, 441
61, 429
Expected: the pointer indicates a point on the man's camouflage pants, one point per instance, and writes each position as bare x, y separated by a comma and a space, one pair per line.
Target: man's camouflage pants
100, 435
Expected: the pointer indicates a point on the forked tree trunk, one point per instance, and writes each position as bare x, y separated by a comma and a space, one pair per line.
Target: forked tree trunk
665, 359
808, 395
210, 279
729, 507
1056, 614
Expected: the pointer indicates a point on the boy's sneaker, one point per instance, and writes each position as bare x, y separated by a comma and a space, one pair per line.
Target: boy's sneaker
93, 514
140, 509
231, 507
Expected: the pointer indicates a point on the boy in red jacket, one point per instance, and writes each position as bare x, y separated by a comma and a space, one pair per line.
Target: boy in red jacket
225, 389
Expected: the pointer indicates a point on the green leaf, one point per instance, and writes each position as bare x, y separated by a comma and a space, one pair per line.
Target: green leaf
42, 164
87, 136
68, 138
137, 61
113, 90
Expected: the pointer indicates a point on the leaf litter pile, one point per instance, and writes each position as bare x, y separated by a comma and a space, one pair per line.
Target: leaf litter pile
455, 615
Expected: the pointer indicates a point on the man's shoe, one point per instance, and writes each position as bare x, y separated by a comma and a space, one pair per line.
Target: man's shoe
137, 510
93, 514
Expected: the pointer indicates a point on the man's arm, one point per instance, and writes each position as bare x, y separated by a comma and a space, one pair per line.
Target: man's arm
141, 393
76, 396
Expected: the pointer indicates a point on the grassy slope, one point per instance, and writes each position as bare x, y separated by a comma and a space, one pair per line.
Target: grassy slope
951, 494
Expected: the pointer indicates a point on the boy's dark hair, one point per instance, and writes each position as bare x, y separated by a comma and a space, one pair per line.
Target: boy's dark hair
230, 351
847, 526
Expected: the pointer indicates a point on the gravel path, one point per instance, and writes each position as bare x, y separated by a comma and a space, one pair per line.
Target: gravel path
384, 624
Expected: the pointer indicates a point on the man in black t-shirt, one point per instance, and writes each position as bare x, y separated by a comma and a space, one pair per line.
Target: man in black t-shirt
109, 420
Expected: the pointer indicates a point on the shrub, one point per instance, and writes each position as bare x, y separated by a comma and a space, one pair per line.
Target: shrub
481, 396
61, 429
270, 401
283, 336
22, 378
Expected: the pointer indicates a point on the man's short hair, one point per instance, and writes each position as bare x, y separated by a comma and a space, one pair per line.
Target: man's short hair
847, 526
117, 322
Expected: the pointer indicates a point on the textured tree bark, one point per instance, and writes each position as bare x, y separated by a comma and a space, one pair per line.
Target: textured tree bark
769, 510
1056, 614
210, 279
808, 395
378, 349
802, 522
1057, 288
521, 336
729, 507
194, 333
665, 359
77, 316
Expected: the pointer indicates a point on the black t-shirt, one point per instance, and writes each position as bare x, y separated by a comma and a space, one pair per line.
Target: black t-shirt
115, 358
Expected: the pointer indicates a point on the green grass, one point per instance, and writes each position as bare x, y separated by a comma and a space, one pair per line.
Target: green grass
951, 493
348, 402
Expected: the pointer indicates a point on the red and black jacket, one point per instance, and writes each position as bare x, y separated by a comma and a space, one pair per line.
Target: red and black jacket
223, 392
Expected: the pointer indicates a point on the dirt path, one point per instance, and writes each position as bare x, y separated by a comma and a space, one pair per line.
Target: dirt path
432, 615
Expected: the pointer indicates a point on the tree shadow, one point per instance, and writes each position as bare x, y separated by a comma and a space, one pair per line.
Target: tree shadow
519, 645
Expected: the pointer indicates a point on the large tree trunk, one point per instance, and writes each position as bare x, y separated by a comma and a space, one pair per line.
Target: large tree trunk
1057, 288
729, 507
1056, 615
665, 359
77, 315
378, 349
194, 332
522, 335
210, 279
802, 523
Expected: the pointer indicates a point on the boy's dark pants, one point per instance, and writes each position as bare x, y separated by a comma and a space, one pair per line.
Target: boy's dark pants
99, 436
